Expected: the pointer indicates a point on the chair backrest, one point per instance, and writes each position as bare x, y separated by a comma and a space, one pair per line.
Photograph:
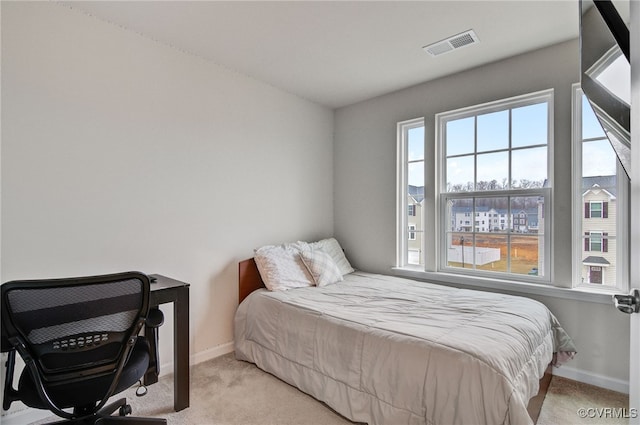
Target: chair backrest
76, 328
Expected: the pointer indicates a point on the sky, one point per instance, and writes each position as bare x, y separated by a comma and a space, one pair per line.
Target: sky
598, 157
493, 135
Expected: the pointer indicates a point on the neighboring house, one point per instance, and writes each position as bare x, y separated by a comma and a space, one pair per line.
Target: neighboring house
494, 220
414, 224
599, 230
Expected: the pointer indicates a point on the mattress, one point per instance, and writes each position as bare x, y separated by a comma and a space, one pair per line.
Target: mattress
388, 350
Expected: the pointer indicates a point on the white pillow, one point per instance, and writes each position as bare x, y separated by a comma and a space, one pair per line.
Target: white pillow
333, 248
321, 266
281, 268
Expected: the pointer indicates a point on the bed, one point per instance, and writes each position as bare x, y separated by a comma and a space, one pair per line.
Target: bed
387, 350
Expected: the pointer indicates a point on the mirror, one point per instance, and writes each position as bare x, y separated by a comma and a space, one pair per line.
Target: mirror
606, 72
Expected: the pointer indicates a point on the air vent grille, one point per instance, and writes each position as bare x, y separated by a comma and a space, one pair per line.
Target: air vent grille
457, 41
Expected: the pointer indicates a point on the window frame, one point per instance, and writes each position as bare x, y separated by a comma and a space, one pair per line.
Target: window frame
402, 181
565, 275
443, 197
621, 238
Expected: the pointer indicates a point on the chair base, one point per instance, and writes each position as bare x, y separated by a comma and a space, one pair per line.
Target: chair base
103, 417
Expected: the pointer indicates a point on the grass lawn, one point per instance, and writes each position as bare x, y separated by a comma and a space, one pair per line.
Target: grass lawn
524, 251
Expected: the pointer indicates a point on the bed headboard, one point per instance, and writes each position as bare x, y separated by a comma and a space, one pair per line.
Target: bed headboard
248, 278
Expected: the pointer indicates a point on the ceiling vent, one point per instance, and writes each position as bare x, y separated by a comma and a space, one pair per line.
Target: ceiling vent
452, 43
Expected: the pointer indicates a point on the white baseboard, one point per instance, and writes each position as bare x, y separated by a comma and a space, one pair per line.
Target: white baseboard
212, 353
202, 356
592, 379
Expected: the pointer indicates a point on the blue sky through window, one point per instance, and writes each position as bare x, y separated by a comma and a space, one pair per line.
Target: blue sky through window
519, 130
493, 134
598, 157
415, 152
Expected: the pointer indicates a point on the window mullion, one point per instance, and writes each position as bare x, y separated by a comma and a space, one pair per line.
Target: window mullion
509, 185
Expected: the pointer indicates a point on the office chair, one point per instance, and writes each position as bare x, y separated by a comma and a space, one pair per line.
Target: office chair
79, 340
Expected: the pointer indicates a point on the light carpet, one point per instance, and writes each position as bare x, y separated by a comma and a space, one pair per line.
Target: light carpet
225, 391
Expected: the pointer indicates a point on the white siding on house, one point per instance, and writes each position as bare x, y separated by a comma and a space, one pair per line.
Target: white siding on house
606, 226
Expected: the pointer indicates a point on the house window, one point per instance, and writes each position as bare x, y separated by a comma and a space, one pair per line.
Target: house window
596, 209
495, 157
594, 241
412, 232
600, 194
411, 183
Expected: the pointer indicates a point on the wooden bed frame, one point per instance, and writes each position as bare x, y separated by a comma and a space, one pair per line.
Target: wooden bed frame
249, 280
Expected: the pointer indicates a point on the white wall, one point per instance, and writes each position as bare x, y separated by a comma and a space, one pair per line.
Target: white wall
120, 153
365, 180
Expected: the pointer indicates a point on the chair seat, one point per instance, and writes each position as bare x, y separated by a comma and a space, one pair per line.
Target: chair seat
87, 392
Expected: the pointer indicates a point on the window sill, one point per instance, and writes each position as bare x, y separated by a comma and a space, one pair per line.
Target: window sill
576, 294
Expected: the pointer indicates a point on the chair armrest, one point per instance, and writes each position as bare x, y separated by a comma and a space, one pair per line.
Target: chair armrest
155, 318
10, 394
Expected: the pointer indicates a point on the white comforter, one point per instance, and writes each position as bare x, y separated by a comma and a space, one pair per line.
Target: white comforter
388, 350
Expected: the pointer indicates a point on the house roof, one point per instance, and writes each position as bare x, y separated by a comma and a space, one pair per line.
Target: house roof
606, 183
417, 192
592, 259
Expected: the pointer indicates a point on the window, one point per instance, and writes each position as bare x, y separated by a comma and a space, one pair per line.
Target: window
593, 241
487, 212
411, 183
412, 232
600, 188
494, 162
595, 209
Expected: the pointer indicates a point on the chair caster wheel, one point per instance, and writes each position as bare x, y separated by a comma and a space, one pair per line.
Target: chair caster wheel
124, 410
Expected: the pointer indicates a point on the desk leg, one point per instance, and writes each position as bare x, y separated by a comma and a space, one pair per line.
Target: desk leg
181, 350
151, 375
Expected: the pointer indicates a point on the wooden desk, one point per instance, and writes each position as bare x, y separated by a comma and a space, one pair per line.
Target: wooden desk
167, 290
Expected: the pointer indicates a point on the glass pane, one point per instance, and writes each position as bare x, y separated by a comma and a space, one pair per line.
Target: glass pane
490, 252
460, 174
415, 142
527, 214
460, 136
591, 127
529, 125
599, 196
492, 215
528, 167
460, 250
493, 171
599, 267
414, 242
416, 175
460, 215
598, 158
493, 131
526, 255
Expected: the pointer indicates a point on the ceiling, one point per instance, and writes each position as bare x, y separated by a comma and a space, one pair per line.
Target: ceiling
338, 53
